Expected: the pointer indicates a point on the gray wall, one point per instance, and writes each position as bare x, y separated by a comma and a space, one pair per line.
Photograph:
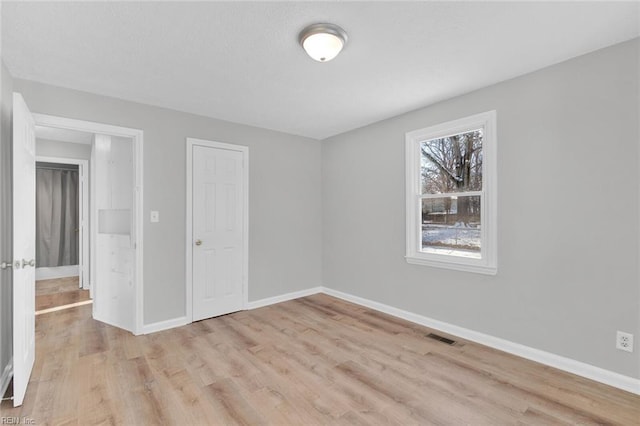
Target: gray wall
6, 311
284, 198
568, 213
49, 148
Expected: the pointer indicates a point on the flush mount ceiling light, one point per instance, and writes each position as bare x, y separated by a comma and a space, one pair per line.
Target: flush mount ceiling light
323, 42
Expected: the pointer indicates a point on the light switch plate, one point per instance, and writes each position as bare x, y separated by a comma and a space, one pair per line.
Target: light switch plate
155, 216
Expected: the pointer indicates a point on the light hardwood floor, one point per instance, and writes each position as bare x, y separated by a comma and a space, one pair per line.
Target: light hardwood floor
59, 292
315, 360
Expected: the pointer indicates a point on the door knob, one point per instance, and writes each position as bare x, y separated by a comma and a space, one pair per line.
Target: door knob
198, 242
6, 265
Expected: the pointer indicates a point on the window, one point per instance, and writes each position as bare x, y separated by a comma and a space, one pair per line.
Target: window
451, 195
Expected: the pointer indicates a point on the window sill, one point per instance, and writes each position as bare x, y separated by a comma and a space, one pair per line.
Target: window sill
456, 266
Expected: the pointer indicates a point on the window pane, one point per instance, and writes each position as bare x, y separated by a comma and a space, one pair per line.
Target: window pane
451, 225
452, 164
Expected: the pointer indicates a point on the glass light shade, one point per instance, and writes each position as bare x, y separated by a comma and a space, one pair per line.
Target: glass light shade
323, 41
323, 47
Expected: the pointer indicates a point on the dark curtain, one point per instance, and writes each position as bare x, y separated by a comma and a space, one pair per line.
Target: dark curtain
56, 217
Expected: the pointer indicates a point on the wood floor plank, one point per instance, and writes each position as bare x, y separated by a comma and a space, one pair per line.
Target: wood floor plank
59, 292
312, 361
57, 285
235, 405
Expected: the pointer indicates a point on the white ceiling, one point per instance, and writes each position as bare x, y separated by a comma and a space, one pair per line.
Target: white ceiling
240, 61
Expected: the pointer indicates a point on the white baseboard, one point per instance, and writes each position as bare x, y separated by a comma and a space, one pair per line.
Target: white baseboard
283, 297
57, 272
5, 379
598, 374
165, 325
179, 322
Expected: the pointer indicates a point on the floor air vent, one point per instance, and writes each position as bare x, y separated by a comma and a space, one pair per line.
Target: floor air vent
440, 338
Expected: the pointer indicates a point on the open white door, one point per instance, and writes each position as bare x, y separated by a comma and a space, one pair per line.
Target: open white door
24, 249
114, 235
218, 238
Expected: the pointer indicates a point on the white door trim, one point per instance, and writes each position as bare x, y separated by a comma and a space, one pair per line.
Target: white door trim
191, 142
138, 137
83, 168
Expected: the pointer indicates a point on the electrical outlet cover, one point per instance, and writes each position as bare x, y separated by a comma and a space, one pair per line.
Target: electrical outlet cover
624, 341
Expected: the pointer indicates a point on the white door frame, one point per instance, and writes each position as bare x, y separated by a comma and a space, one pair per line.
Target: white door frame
83, 202
191, 142
137, 136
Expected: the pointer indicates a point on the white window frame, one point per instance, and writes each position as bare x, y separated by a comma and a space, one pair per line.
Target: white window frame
488, 262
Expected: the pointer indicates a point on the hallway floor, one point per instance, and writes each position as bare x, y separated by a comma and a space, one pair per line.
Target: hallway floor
59, 292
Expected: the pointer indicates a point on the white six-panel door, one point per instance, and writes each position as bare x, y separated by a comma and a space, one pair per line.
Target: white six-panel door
218, 237
24, 246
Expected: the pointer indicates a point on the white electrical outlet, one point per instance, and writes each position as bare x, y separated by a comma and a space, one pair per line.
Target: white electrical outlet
624, 341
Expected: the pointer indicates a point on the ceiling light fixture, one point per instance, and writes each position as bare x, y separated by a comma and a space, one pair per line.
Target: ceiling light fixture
323, 42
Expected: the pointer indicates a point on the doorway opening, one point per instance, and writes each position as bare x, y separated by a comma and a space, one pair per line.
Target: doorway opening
62, 225
108, 269
115, 220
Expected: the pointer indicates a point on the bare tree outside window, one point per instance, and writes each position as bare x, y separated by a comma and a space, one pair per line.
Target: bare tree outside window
452, 166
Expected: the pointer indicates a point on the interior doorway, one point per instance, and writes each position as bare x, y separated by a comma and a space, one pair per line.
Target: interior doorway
116, 215
109, 263
58, 219
62, 224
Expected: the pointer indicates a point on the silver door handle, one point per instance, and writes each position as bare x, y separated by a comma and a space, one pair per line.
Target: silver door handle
31, 262
198, 242
6, 265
